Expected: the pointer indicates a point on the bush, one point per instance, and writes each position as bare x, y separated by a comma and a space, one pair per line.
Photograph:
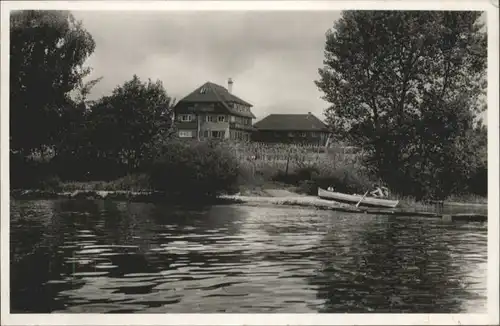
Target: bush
88, 167
308, 187
133, 182
296, 176
194, 169
478, 183
28, 173
49, 183
347, 179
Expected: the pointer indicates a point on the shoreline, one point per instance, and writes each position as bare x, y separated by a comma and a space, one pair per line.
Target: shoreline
282, 198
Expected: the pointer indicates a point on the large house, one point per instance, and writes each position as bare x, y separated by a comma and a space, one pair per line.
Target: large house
291, 128
212, 111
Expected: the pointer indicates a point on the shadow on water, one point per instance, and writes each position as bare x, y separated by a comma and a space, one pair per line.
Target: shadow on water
117, 257
401, 266
72, 243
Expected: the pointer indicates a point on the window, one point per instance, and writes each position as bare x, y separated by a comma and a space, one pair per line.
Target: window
218, 134
203, 90
303, 134
186, 117
205, 134
221, 118
210, 118
185, 133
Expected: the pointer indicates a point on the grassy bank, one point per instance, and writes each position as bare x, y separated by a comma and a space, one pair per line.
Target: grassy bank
135, 182
209, 169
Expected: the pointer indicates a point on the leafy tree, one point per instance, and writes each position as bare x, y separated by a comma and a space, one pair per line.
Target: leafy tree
121, 130
407, 87
47, 53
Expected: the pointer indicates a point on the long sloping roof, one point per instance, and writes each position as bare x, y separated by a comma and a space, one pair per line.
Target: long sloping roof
213, 93
284, 122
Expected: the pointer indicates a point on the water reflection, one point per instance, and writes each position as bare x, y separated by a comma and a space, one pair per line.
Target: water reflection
395, 266
103, 256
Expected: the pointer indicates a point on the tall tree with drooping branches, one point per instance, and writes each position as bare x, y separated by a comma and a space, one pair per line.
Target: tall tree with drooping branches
48, 50
408, 87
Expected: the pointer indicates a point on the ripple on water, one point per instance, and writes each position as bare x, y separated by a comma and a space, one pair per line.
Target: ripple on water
89, 274
250, 259
105, 266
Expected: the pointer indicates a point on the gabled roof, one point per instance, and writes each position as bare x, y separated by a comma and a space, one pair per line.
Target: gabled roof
286, 122
213, 93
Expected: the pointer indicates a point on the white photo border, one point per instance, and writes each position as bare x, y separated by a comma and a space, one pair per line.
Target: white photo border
492, 317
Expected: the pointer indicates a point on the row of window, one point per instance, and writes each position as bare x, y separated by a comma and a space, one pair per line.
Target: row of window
238, 135
215, 118
214, 133
206, 133
186, 133
208, 118
240, 107
243, 121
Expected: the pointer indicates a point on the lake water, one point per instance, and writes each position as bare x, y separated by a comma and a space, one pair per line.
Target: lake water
117, 257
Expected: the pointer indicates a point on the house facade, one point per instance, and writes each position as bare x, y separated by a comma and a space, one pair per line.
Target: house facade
212, 111
291, 128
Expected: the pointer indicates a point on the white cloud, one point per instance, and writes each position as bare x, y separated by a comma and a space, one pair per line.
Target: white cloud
273, 57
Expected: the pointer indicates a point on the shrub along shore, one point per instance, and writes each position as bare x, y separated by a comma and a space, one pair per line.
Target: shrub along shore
209, 172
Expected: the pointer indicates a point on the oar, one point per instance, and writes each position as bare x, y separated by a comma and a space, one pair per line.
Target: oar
359, 202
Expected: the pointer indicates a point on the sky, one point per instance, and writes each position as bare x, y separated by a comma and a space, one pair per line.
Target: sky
272, 57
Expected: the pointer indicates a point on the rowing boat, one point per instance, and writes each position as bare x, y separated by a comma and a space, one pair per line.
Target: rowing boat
354, 199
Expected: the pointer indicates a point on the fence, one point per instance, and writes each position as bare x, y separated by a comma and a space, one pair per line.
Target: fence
287, 156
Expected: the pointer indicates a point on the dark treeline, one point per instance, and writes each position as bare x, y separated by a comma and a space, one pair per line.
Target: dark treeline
408, 88
405, 86
59, 135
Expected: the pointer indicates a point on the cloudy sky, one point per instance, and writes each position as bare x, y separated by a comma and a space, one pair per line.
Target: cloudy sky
272, 57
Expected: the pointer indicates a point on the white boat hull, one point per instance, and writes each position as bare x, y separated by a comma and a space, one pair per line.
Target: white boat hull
354, 199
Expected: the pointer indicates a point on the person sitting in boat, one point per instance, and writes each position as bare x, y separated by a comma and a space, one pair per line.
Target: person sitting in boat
331, 188
379, 191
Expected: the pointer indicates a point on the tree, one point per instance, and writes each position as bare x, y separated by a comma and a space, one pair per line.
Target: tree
123, 128
47, 53
407, 87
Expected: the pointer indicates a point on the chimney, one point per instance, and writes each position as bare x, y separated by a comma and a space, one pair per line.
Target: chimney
230, 85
